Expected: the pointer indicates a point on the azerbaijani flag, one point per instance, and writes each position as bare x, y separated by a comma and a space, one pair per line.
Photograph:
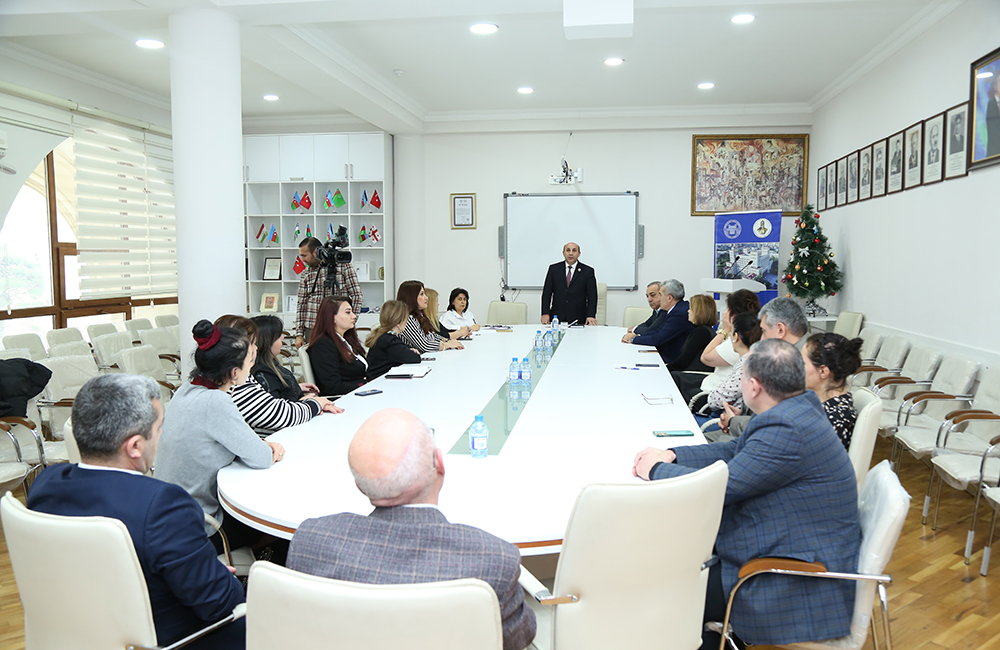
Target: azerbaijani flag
362, 235
338, 199
273, 235
364, 198
308, 231
328, 201
295, 201
329, 232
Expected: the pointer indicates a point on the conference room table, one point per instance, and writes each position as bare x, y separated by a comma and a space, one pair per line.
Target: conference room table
590, 411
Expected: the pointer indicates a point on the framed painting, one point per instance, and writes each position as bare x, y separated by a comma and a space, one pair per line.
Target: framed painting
744, 173
879, 167
865, 179
842, 181
956, 161
933, 158
852, 177
895, 183
913, 155
984, 100
821, 189
831, 186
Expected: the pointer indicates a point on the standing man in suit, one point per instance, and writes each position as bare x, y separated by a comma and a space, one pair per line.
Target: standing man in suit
670, 337
406, 539
117, 421
570, 290
792, 493
656, 319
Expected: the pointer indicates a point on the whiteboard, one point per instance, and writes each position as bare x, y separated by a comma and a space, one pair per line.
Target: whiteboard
537, 226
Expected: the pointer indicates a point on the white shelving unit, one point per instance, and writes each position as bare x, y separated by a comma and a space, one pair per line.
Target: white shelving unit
279, 166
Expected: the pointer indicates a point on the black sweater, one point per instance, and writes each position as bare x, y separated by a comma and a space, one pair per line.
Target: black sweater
690, 356
388, 352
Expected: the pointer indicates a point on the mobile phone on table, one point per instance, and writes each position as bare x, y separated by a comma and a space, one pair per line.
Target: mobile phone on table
647, 365
673, 434
366, 393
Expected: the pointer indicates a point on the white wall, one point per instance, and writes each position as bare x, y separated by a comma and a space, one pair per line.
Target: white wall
924, 260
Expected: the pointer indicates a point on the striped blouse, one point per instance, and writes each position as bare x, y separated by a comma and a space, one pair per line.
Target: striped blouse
266, 414
415, 337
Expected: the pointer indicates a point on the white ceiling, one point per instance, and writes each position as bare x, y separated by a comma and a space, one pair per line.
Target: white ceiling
336, 58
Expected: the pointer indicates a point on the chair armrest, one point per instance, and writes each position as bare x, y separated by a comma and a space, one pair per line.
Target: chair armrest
918, 393
47, 403
882, 381
238, 612
25, 422
214, 523
974, 416
768, 564
958, 412
170, 357
169, 387
537, 590
871, 368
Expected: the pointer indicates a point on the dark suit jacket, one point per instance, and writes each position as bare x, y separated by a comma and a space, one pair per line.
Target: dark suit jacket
406, 545
792, 493
654, 322
670, 337
388, 352
188, 586
333, 376
578, 301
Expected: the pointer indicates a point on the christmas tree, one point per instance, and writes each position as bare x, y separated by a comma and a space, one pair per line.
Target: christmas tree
811, 272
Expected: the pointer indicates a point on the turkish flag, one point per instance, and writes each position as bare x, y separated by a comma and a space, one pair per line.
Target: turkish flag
300, 266
306, 202
376, 201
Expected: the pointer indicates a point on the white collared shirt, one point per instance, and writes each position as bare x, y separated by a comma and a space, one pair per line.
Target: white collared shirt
105, 468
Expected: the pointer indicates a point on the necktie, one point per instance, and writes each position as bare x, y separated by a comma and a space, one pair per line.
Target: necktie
569, 274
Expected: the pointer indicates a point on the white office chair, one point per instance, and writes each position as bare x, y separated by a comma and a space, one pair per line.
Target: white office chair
165, 344
635, 316
890, 357
16, 353
143, 360
69, 374
602, 304
507, 313
136, 325
869, 408
307, 369
870, 347
63, 335
108, 347
848, 323
288, 609
627, 575
69, 349
47, 552
166, 320
31, 341
99, 329
918, 370
13, 469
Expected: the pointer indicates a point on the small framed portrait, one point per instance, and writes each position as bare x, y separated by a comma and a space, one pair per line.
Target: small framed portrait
956, 160
831, 186
842, 181
821, 189
463, 211
269, 302
865, 179
933, 149
272, 269
880, 166
895, 183
913, 147
852, 177
984, 99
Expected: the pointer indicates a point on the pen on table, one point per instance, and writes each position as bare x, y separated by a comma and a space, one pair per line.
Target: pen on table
625, 368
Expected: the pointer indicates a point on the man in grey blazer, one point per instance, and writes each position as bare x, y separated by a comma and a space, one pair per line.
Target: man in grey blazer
406, 539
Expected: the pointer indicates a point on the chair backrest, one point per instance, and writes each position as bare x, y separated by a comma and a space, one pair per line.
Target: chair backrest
142, 360
893, 352
655, 572
635, 316
69, 349
987, 398
161, 339
955, 375
136, 325
869, 408
16, 353
872, 343
98, 329
63, 335
165, 320
72, 450
31, 341
882, 507
307, 369
318, 613
69, 374
921, 363
507, 313
48, 552
602, 304
848, 323
108, 347
175, 331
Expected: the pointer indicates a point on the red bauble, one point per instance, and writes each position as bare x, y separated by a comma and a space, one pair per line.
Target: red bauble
789, 276
833, 293
816, 215
816, 241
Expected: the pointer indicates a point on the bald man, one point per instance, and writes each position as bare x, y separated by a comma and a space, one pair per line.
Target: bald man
570, 290
406, 539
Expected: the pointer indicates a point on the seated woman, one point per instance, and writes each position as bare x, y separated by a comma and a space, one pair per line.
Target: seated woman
702, 314
431, 312
269, 373
203, 431
338, 360
264, 412
418, 332
386, 349
746, 332
830, 359
458, 314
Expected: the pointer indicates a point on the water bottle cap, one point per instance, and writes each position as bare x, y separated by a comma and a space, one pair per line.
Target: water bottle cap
525, 358
479, 418
513, 358
538, 331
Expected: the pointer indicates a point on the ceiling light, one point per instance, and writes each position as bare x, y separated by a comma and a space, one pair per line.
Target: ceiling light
525, 90
615, 60
271, 98
484, 28
984, 75
149, 43
742, 19
706, 85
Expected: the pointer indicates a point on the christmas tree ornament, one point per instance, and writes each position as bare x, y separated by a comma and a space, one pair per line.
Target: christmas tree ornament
816, 241
803, 251
825, 260
833, 293
833, 254
807, 284
819, 268
788, 295
783, 280
796, 267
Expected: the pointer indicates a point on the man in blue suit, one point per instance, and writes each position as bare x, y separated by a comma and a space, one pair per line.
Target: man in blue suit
657, 318
669, 338
792, 493
117, 421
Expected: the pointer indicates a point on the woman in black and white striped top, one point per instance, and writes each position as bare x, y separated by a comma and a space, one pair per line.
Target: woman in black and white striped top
418, 332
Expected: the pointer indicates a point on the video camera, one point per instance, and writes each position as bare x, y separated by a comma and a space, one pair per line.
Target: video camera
328, 255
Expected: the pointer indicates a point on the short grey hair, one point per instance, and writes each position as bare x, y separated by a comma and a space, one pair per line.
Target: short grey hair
415, 469
777, 365
656, 282
788, 312
110, 409
674, 287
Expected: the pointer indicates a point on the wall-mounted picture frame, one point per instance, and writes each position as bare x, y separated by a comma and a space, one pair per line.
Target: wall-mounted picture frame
895, 182
723, 167
984, 99
865, 177
842, 181
272, 268
291, 304
852, 177
821, 189
463, 211
956, 163
913, 158
831, 186
269, 302
933, 149
880, 166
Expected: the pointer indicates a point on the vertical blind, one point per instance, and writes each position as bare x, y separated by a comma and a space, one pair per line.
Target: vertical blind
126, 235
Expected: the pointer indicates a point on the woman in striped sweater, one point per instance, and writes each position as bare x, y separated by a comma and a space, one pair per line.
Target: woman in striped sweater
419, 333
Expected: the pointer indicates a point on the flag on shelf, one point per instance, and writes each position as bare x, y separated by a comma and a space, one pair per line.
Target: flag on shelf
300, 266
328, 201
295, 201
338, 199
373, 235
273, 235
308, 231
260, 234
297, 232
364, 198
376, 201
306, 202
329, 231
362, 235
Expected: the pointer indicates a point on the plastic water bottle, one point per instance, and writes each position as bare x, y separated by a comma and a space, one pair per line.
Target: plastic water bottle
547, 342
515, 371
538, 340
479, 439
525, 379
555, 323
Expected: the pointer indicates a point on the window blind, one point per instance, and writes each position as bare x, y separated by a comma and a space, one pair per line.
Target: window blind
126, 234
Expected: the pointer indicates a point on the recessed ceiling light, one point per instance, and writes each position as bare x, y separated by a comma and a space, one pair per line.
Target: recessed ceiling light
271, 98
525, 90
706, 85
742, 19
149, 43
484, 28
615, 60
984, 75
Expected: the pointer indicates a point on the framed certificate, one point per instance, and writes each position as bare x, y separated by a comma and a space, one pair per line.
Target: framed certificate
269, 302
463, 211
272, 268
